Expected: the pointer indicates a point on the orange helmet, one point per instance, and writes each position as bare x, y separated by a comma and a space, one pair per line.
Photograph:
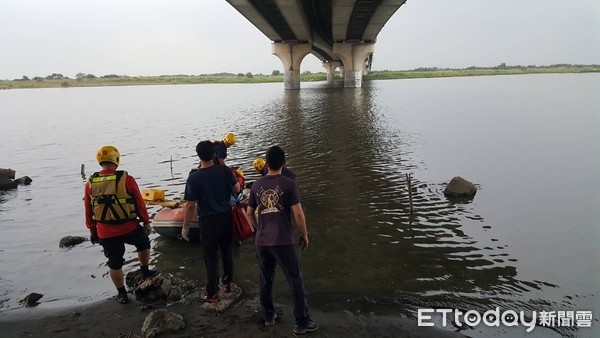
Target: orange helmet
108, 154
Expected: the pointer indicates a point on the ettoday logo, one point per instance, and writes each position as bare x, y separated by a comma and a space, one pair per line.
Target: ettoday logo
497, 318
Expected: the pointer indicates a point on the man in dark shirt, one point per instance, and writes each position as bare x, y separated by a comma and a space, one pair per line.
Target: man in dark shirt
261, 166
210, 188
275, 198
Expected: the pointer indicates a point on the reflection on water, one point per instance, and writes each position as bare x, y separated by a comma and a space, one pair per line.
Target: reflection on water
350, 155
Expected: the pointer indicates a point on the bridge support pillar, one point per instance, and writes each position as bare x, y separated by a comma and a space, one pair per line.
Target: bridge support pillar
291, 55
330, 67
353, 56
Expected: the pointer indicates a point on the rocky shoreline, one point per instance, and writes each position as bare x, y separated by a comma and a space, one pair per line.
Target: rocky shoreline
110, 319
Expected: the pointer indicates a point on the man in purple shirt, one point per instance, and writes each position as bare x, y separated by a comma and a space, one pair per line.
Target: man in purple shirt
275, 198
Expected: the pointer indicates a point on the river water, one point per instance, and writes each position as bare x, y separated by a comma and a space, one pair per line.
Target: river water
527, 241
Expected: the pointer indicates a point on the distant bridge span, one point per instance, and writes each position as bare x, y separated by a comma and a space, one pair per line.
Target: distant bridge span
341, 33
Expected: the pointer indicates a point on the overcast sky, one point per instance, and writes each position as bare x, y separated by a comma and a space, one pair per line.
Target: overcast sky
154, 37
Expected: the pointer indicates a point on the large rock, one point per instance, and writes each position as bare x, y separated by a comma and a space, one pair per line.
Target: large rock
6, 183
8, 173
153, 288
459, 187
134, 278
69, 241
160, 321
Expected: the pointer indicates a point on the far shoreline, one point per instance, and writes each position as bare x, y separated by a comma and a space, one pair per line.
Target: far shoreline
89, 80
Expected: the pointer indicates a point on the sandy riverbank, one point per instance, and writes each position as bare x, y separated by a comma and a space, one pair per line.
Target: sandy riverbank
110, 319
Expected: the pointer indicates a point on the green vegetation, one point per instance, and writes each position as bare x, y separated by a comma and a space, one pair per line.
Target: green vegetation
56, 80
501, 69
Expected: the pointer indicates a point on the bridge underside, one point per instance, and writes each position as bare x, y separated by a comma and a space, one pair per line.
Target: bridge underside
341, 33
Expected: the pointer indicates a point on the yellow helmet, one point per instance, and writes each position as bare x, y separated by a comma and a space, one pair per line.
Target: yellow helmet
240, 172
108, 154
229, 138
259, 163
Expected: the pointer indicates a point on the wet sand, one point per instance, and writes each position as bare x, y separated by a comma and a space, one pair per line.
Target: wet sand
110, 319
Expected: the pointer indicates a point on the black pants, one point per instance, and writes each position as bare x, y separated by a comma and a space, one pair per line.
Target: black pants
216, 232
288, 259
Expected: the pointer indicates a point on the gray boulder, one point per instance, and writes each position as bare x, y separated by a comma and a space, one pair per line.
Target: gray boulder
161, 321
25, 180
6, 183
153, 288
459, 187
69, 241
8, 173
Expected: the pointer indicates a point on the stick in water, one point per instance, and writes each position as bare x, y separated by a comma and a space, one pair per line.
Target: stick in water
410, 199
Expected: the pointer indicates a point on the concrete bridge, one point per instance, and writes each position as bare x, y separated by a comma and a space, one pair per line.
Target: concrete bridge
341, 33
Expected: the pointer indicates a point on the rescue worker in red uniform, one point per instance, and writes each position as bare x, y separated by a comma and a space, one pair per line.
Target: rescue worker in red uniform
114, 208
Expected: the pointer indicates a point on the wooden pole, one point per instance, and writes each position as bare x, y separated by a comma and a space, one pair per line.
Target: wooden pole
410, 199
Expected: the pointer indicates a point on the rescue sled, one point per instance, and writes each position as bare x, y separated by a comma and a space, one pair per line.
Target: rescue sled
168, 222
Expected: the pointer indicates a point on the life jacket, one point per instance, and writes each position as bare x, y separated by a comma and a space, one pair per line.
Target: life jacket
239, 176
111, 203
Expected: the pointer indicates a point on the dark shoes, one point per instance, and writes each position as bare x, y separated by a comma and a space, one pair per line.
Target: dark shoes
308, 327
205, 297
122, 298
272, 321
150, 273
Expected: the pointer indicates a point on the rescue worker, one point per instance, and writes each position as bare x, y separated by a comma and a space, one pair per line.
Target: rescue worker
208, 190
221, 148
114, 208
260, 165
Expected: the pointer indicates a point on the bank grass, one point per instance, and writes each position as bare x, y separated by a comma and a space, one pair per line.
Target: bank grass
477, 71
248, 78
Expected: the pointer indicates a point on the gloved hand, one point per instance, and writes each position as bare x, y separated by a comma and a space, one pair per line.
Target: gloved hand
148, 229
185, 233
94, 236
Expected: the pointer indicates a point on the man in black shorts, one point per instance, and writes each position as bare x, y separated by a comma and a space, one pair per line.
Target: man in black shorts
210, 188
114, 208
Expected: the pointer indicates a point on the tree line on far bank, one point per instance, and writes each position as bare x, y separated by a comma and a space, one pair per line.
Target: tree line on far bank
249, 75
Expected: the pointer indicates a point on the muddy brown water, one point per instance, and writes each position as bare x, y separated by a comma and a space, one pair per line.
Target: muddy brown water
527, 241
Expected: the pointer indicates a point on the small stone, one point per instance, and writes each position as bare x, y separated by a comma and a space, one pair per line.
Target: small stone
175, 294
160, 321
146, 307
31, 299
69, 241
